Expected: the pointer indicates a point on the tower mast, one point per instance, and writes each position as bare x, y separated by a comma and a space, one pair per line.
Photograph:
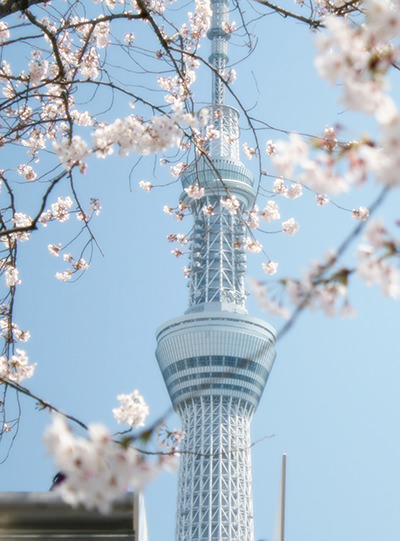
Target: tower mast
216, 359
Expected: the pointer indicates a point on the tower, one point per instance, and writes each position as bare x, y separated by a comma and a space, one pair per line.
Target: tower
216, 359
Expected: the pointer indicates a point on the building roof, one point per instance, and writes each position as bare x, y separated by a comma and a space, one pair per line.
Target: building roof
43, 515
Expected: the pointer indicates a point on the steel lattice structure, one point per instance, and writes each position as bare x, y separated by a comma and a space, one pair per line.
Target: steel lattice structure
216, 359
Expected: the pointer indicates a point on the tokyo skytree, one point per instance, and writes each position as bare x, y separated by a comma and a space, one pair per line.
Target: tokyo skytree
216, 359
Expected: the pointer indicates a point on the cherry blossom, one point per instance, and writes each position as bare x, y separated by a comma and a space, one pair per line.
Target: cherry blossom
321, 200
374, 265
12, 277
170, 439
132, 411
17, 368
195, 191
271, 267
231, 204
54, 249
253, 220
27, 171
71, 152
97, 469
253, 246
361, 214
290, 227
4, 31
270, 212
248, 151
145, 185
52, 121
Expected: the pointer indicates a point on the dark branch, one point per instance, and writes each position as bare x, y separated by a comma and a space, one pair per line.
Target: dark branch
12, 6
313, 23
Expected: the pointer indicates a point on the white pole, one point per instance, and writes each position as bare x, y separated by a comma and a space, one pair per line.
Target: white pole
283, 497
279, 531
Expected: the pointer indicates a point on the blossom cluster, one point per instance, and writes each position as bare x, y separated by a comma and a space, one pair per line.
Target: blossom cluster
97, 469
132, 411
374, 264
17, 368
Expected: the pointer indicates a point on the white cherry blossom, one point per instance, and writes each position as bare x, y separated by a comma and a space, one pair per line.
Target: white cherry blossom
290, 227
132, 411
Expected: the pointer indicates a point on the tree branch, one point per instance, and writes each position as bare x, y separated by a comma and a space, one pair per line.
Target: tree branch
313, 23
12, 6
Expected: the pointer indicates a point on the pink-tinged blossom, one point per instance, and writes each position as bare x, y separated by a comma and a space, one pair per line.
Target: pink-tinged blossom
195, 191
37, 68
145, 185
64, 276
253, 246
4, 32
12, 277
80, 264
320, 176
7, 329
208, 210
101, 32
132, 134
248, 151
82, 118
170, 439
54, 249
314, 171
19, 335
376, 234
253, 219
262, 297
374, 270
359, 56
71, 152
288, 154
271, 267
17, 368
199, 21
374, 265
168, 210
60, 209
177, 252
321, 199
230, 76
28, 172
21, 220
360, 214
97, 469
270, 212
270, 148
294, 191
132, 410
186, 272
229, 28
231, 204
176, 170
327, 297
290, 227
45, 217
279, 186
182, 239
89, 66
129, 39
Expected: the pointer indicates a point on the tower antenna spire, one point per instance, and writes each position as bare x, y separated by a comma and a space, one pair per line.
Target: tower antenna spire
216, 359
219, 48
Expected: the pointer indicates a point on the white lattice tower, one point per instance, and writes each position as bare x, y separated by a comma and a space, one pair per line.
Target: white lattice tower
216, 359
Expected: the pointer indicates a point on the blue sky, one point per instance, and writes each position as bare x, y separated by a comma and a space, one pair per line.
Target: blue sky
332, 401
